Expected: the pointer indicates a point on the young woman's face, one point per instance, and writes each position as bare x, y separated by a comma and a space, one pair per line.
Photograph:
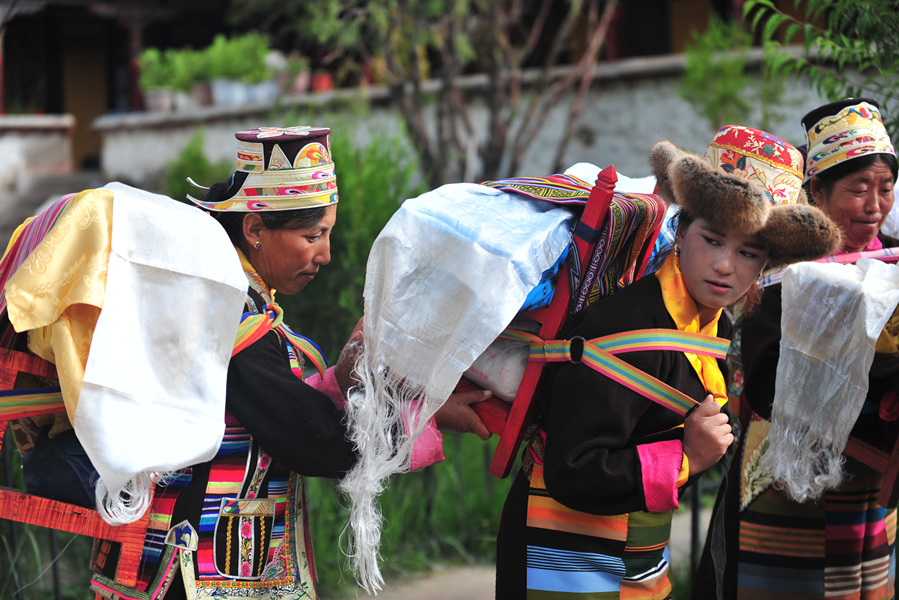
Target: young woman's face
718, 268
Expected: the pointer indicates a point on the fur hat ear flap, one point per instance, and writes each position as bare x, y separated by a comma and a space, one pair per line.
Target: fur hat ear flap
798, 232
727, 202
662, 156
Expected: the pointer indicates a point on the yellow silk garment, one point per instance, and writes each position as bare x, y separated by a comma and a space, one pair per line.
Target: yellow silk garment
888, 342
57, 293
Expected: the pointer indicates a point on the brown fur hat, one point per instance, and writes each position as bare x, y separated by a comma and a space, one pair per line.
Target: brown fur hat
661, 156
747, 182
799, 232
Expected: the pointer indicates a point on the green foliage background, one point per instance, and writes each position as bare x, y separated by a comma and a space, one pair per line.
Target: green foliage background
855, 53
372, 182
192, 162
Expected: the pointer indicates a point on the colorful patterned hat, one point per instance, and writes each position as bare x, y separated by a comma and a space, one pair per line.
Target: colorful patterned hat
287, 168
759, 158
748, 182
844, 130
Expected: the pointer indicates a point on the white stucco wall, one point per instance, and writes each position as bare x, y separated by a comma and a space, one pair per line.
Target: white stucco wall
33, 146
633, 104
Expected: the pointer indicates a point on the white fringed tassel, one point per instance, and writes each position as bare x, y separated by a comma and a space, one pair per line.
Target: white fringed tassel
130, 504
801, 465
377, 412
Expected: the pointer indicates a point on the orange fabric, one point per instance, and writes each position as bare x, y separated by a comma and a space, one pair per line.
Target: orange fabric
683, 310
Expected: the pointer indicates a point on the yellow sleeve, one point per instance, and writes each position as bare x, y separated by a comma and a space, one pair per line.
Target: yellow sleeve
684, 473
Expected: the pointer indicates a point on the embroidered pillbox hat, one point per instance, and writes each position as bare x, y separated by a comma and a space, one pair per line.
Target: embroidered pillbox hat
748, 182
287, 168
844, 130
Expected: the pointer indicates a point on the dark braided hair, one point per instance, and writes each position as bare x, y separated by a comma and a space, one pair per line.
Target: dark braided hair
232, 222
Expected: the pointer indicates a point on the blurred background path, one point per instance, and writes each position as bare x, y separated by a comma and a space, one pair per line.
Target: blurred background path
477, 582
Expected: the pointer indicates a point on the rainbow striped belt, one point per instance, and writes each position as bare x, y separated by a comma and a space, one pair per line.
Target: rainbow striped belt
599, 354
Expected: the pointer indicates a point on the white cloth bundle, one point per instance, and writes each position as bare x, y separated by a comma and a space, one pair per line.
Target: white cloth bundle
832, 317
153, 398
500, 368
444, 278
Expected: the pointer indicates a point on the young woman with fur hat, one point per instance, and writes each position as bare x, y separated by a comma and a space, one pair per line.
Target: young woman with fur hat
590, 512
841, 545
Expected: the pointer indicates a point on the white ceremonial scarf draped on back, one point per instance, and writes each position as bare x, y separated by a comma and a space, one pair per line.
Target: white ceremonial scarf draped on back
153, 398
832, 317
446, 275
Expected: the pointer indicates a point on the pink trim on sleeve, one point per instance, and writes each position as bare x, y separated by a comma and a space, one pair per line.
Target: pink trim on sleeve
661, 465
328, 385
428, 448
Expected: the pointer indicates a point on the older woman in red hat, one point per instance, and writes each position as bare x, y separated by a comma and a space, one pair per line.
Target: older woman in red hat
841, 544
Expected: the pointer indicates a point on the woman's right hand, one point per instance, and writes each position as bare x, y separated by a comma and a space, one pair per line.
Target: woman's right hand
707, 435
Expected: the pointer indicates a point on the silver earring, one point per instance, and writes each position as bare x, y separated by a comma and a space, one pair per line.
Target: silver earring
677, 249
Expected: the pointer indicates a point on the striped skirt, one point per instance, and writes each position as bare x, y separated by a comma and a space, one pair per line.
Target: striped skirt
571, 554
841, 547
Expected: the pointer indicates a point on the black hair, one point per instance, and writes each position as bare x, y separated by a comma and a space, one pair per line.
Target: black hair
232, 222
831, 176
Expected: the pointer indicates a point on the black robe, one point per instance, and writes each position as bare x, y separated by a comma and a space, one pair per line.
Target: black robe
594, 424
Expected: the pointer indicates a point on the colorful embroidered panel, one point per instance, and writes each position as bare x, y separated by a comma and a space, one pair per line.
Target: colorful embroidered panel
623, 250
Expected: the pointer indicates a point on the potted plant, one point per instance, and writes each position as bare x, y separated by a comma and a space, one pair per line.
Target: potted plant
155, 81
235, 64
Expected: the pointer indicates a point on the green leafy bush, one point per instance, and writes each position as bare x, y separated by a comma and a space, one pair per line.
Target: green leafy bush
192, 162
155, 70
241, 58
850, 48
715, 78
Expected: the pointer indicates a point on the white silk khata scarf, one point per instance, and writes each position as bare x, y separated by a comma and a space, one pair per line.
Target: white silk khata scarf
446, 275
832, 317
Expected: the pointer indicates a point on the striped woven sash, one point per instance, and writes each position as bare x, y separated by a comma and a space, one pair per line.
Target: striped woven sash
599, 354
253, 327
18, 404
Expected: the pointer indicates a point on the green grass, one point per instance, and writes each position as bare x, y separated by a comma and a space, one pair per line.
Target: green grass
447, 513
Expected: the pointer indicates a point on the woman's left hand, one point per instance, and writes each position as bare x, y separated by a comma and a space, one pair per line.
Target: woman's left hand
458, 417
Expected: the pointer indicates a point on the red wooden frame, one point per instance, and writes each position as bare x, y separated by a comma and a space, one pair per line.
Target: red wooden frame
510, 422
19, 506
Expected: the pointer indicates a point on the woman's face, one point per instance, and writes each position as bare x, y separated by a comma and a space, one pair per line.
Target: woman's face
288, 259
718, 267
858, 203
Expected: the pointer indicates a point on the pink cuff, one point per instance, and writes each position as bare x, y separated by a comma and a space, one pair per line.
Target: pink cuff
329, 386
428, 448
661, 465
